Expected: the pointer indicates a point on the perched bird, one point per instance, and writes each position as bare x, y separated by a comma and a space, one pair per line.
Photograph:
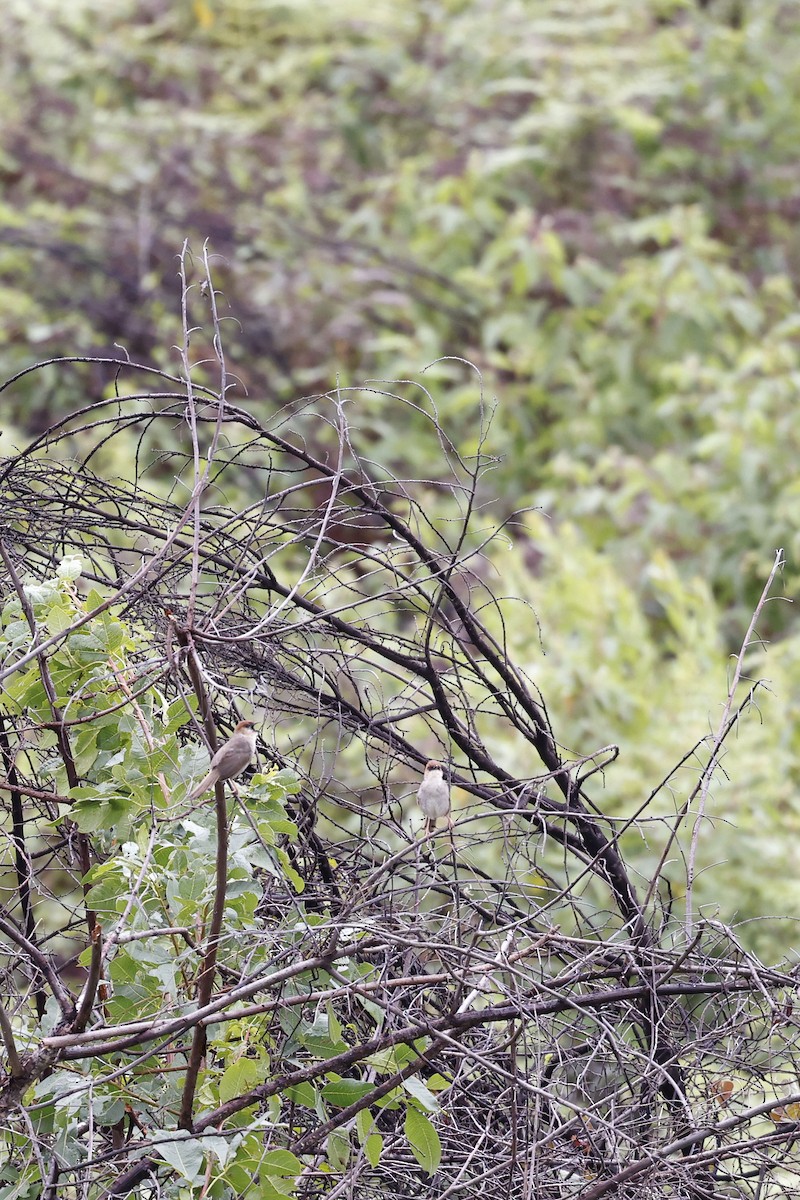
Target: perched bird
231, 758
434, 795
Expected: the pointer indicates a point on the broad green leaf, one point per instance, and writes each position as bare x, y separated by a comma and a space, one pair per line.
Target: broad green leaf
184, 1154
423, 1140
110, 887
416, 1088
271, 1187
241, 1077
384, 1061
178, 715
338, 1149
334, 1024
391, 1100
280, 1162
368, 1137
276, 786
103, 812
365, 1122
438, 1083
107, 1110
373, 1147
221, 1147
301, 1093
296, 880
316, 1038
70, 567
341, 1093
59, 616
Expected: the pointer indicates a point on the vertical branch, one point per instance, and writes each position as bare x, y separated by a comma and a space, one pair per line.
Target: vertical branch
191, 413
93, 979
200, 477
719, 738
22, 865
62, 737
205, 981
6, 1032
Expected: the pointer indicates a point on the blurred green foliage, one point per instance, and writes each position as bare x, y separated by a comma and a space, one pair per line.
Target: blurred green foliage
596, 204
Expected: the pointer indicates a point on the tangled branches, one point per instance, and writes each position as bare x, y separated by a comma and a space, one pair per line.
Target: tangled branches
297, 989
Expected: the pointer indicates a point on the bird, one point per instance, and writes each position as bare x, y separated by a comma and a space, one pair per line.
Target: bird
434, 795
231, 758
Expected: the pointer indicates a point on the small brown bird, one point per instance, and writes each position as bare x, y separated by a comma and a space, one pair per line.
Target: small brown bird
434, 795
231, 758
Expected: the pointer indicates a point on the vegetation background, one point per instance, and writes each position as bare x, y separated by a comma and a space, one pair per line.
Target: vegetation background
587, 211
570, 231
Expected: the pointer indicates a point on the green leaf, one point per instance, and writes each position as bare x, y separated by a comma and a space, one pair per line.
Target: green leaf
178, 715
416, 1088
369, 1139
70, 567
364, 1124
273, 1187
240, 1173
301, 1093
334, 1024
59, 616
85, 749
107, 811
110, 886
391, 1100
107, 1110
184, 1154
280, 1162
115, 635
241, 1077
338, 1149
384, 1061
423, 1140
316, 1038
438, 1083
373, 1148
341, 1093
221, 1147
275, 787
297, 881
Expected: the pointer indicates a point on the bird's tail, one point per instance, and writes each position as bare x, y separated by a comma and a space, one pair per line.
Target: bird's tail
203, 785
